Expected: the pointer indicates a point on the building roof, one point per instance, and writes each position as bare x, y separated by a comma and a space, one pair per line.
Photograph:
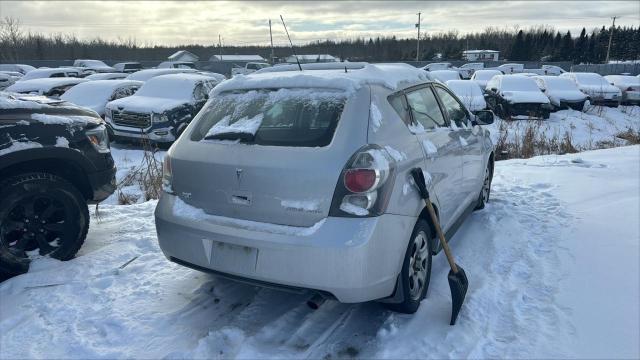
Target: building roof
247, 58
180, 53
480, 51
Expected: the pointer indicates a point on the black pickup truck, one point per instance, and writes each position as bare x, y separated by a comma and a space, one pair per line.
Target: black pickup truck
54, 160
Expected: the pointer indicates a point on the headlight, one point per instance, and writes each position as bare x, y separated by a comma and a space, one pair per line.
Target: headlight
98, 138
159, 118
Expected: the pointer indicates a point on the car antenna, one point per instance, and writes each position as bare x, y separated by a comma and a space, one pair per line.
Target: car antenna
290, 43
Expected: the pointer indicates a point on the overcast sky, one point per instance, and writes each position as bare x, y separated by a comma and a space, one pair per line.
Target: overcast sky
241, 23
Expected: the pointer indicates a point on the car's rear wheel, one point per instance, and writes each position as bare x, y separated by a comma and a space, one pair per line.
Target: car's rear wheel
485, 192
416, 269
40, 215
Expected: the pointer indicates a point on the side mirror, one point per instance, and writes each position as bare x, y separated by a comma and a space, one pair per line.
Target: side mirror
484, 117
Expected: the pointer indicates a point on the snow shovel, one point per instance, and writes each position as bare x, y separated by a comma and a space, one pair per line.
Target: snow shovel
458, 282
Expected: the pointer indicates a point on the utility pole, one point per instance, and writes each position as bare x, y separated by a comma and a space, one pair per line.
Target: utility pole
220, 46
613, 26
271, 37
418, 43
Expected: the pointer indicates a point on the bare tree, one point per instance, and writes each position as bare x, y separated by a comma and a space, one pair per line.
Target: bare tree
10, 38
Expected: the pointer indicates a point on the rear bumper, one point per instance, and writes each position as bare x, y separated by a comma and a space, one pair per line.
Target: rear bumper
631, 97
353, 259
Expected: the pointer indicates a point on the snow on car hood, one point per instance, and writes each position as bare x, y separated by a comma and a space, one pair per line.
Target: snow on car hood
565, 95
525, 97
145, 104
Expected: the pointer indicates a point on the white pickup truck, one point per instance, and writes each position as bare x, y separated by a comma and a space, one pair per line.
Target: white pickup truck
248, 68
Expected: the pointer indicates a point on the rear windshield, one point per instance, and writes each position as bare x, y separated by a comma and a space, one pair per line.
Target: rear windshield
277, 117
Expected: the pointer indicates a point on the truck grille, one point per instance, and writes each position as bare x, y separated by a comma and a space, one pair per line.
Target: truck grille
131, 119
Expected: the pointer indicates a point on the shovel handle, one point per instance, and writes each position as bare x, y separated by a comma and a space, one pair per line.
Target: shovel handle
443, 241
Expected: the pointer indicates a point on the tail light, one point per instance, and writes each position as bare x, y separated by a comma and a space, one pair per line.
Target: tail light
166, 175
365, 184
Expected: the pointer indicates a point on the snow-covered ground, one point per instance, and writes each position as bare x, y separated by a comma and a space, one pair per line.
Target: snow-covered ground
553, 264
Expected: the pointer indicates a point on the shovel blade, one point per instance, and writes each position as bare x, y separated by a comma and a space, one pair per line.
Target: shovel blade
458, 283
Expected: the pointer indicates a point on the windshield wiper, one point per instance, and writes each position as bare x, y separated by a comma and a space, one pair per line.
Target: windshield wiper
242, 136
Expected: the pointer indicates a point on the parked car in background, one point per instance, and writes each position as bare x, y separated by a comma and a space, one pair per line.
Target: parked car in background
176, 65
52, 87
50, 73
517, 97
628, 85
128, 67
438, 66
93, 66
6, 80
106, 76
598, 89
445, 75
54, 159
161, 109
482, 77
467, 70
562, 92
96, 94
248, 68
511, 68
21, 68
146, 74
469, 93
240, 203
552, 70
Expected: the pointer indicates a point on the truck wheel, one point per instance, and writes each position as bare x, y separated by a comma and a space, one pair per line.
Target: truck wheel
416, 269
40, 214
485, 192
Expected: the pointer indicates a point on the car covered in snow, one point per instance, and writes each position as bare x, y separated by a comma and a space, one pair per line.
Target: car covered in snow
470, 93
93, 66
438, 66
511, 68
146, 74
96, 94
517, 97
248, 68
42, 73
161, 109
52, 87
106, 76
54, 159
482, 77
445, 75
21, 68
467, 70
598, 89
128, 67
301, 180
562, 93
176, 65
629, 85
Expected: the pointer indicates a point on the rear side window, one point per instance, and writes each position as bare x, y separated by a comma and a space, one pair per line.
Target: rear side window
399, 104
277, 117
425, 109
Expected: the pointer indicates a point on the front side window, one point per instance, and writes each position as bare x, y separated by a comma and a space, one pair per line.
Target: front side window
425, 109
454, 109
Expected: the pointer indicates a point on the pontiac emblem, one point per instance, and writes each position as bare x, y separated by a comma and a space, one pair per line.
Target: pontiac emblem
238, 174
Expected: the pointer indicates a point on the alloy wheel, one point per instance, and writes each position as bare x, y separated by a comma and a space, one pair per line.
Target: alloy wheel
418, 265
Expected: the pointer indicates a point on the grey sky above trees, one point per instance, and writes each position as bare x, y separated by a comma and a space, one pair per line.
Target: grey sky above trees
244, 23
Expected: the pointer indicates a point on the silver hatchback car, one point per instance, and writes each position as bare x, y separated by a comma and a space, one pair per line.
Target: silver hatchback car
301, 180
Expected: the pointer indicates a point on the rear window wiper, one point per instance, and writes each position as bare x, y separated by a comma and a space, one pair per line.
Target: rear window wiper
242, 136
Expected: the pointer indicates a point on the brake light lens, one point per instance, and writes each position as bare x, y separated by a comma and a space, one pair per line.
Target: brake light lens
360, 180
166, 175
365, 184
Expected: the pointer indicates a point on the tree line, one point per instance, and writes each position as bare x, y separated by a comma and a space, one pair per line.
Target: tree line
532, 44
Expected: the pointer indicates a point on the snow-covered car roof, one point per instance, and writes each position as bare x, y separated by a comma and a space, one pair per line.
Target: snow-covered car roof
10, 100
21, 68
486, 74
556, 82
95, 92
144, 75
313, 66
172, 86
43, 84
445, 75
391, 76
462, 87
623, 80
107, 76
47, 72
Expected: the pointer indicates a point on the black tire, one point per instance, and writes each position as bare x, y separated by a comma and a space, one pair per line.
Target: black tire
412, 295
485, 192
43, 212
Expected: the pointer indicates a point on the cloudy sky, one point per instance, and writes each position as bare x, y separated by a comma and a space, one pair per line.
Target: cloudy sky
240, 23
